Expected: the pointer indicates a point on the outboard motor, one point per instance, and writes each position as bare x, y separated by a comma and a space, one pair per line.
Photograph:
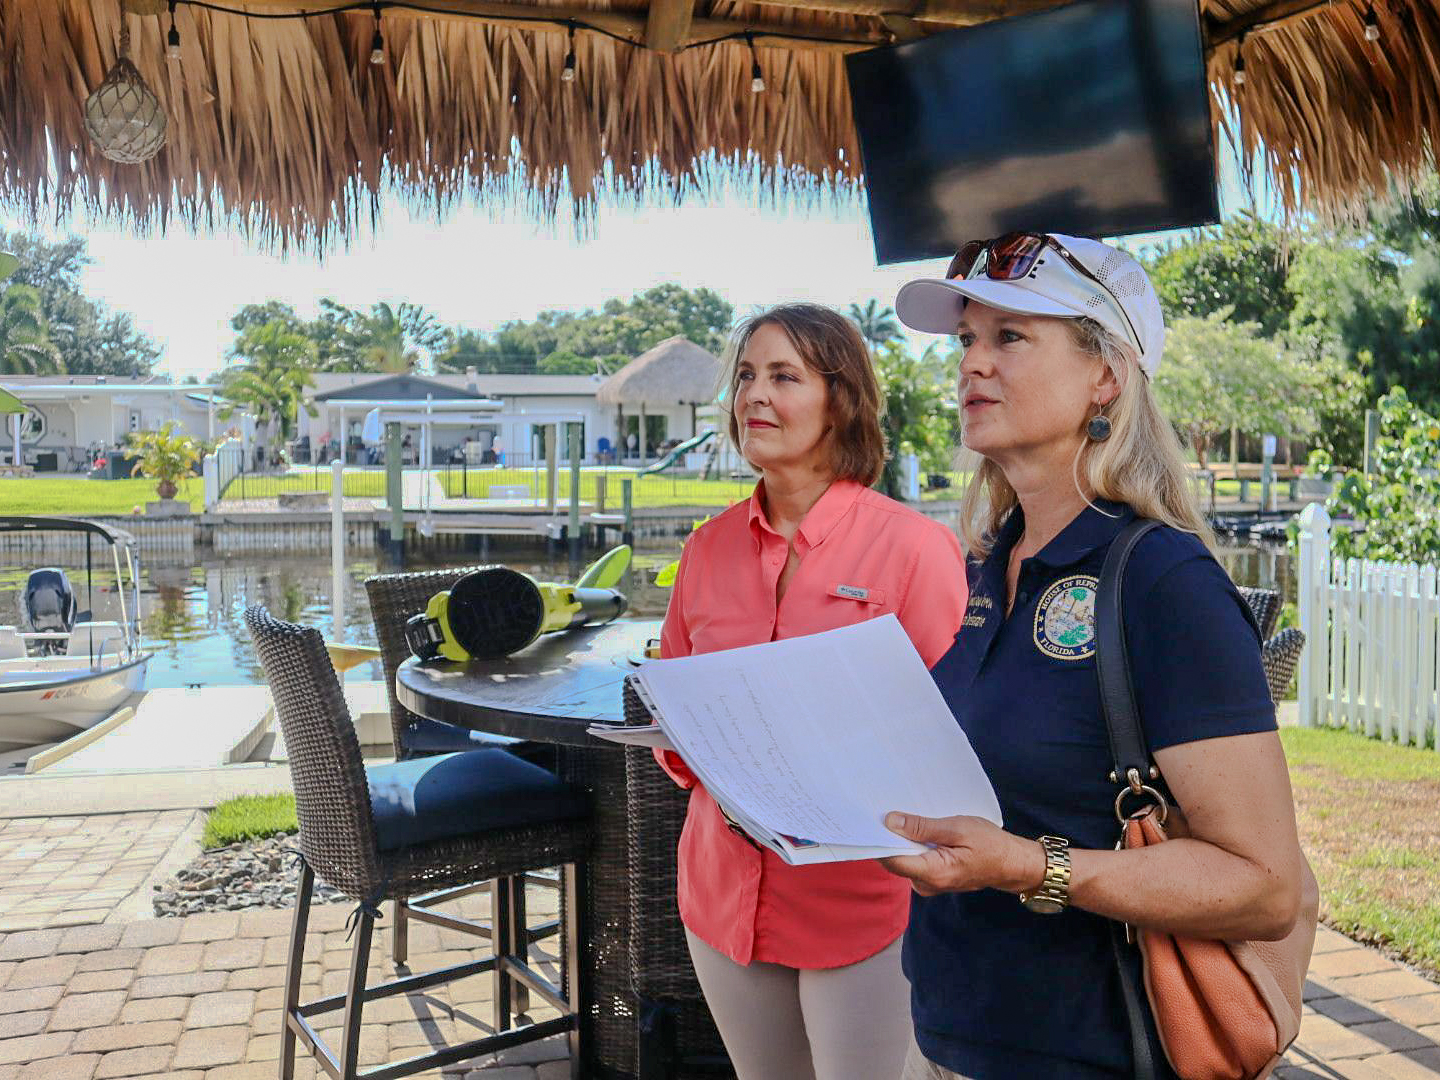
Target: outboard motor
48, 606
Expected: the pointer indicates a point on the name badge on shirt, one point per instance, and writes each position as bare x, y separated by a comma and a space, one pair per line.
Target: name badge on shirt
855, 592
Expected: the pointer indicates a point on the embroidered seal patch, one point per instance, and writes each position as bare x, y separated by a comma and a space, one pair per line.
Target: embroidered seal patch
1065, 618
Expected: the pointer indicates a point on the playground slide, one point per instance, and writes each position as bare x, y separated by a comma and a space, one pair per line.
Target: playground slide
678, 453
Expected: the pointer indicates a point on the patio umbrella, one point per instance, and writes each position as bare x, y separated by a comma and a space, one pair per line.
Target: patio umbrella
10, 405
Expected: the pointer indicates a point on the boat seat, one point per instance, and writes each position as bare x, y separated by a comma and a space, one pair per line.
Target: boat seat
108, 638
12, 645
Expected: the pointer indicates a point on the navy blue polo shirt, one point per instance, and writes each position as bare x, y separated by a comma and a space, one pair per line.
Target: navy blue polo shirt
997, 991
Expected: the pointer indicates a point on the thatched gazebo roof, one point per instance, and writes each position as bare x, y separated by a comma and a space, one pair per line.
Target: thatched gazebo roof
285, 126
674, 372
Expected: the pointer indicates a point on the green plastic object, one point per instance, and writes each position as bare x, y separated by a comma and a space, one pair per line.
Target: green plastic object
606, 571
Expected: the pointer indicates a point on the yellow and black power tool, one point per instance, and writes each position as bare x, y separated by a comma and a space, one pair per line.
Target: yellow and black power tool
495, 611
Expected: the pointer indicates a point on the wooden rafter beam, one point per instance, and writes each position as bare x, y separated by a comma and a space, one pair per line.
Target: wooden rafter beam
667, 25
1265, 17
627, 26
941, 12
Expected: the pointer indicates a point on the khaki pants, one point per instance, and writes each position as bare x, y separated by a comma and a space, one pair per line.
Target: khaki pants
919, 1067
782, 1023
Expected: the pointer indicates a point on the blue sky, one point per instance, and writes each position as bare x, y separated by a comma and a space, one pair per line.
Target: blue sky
479, 269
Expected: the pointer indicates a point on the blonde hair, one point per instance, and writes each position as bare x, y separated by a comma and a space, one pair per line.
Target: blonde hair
1141, 465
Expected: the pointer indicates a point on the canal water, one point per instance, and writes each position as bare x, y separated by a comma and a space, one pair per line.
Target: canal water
191, 616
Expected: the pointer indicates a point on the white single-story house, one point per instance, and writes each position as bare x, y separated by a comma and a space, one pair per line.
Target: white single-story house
516, 406
73, 416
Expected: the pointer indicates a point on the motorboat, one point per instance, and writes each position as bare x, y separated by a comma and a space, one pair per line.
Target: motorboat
62, 669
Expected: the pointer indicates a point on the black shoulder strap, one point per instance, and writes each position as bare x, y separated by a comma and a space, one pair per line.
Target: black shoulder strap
1127, 750
1112, 658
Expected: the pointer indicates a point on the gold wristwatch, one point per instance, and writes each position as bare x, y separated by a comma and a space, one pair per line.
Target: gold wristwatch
1053, 895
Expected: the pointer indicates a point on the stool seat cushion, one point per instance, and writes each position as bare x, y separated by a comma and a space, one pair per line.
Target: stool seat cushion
425, 736
435, 798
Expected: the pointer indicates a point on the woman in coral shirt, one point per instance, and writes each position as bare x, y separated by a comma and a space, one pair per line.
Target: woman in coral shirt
801, 965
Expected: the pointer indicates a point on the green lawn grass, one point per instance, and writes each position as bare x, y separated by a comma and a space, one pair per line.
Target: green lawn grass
1369, 815
79, 496
368, 484
656, 490
250, 817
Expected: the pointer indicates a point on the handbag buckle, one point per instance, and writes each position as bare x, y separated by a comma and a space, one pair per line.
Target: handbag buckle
1145, 789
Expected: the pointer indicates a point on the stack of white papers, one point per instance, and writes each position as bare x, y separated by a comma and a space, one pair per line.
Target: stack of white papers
807, 743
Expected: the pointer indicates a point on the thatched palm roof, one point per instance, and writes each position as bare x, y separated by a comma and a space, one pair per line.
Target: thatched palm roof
675, 372
285, 126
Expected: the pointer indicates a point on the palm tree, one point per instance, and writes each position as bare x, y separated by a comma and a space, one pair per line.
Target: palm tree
393, 339
878, 325
275, 368
25, 346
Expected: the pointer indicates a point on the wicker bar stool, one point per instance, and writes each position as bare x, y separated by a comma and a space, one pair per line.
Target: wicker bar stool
410, 828
1280, 656
1279, 653
676, 1035
1265, 605
394, 599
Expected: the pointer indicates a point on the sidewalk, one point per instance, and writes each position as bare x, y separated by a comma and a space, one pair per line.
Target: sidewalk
199, 999
92, 987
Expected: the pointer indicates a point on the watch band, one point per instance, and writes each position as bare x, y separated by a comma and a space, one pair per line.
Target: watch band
1053, 895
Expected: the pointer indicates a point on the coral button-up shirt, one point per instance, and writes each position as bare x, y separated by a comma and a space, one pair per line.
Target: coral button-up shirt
861, 556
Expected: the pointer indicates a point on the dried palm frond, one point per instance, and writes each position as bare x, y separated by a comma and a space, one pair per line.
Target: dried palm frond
286, 128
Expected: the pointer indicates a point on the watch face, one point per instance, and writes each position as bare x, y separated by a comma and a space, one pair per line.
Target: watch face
1044, 905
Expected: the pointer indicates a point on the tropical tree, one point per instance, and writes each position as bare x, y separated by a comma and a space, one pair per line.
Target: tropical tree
1396, 510
273, 366
1239, 266
878, 325
394, 339
920, 414
25, 345
164, 457
90, 339
1220, 375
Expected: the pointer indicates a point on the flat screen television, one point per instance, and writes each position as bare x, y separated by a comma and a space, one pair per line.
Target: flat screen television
1091, 119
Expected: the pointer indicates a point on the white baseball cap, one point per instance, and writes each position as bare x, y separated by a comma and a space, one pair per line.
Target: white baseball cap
1116, 292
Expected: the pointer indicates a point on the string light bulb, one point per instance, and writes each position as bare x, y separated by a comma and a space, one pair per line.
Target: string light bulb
377, 43
172, 39
1372, 24
757, 78
567, 73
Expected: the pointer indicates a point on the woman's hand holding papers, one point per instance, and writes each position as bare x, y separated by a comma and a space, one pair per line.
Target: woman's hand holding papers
966, 854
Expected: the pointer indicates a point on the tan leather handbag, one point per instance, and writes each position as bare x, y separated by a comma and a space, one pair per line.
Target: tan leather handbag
1224, 1010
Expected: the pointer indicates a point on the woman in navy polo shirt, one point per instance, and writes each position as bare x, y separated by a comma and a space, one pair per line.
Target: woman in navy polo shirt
1012, 968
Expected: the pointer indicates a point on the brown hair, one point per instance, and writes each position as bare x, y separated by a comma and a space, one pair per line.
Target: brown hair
831, 346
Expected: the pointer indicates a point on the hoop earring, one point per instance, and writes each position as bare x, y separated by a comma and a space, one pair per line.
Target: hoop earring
1099, 427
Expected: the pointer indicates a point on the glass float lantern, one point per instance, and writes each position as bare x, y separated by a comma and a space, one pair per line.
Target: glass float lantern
123, 116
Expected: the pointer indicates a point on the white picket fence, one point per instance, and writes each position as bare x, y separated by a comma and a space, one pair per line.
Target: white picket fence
1372, 633
220, 468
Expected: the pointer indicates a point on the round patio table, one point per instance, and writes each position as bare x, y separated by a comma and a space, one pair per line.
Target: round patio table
550, 692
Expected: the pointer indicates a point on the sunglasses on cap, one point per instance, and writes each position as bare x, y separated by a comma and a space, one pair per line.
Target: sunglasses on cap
1014, 255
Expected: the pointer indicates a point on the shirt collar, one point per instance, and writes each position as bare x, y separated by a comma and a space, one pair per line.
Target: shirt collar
1092, 528
839, 497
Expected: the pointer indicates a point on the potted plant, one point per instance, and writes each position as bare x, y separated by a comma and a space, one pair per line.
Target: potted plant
1317, 479
166, 458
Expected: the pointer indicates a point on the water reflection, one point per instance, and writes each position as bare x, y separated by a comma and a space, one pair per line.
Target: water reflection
191, 616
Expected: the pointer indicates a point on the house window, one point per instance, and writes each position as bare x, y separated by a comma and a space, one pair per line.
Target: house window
33, 426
